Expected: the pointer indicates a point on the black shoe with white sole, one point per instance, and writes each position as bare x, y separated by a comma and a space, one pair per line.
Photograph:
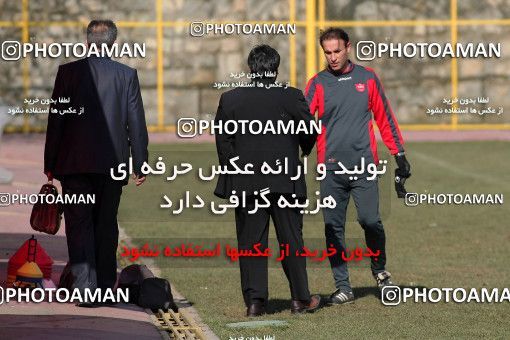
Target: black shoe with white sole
383, 280
340, 297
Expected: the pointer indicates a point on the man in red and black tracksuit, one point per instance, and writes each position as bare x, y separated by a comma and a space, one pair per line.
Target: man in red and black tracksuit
345, 96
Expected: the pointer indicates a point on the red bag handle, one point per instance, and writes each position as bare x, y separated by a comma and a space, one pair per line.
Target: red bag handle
32, 246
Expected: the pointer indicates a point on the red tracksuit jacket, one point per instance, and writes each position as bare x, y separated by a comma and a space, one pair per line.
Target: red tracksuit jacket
345, 104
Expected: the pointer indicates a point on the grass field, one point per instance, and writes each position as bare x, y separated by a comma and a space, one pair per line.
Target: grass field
427, 246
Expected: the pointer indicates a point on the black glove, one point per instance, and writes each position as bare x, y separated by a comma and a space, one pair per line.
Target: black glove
404, 168
401, 174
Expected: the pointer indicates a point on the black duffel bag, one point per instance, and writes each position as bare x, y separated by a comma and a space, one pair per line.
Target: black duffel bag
155, 293
146, 290
131, 278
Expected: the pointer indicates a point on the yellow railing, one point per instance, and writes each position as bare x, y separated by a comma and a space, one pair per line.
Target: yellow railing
315, 19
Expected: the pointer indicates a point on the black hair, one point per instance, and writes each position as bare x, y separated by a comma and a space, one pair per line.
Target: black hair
334, 33
263, 58
101, 32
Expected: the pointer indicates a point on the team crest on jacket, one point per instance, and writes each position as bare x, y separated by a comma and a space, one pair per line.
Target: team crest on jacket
360, 87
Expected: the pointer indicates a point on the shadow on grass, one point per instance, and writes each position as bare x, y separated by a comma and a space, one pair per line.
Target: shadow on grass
183, 303
281, 305
361, 292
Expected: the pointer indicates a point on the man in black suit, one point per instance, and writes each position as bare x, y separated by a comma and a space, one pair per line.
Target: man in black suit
264, 103
81, 149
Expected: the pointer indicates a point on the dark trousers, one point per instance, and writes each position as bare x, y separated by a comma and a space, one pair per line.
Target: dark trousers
366, 198
254, 228
91, 230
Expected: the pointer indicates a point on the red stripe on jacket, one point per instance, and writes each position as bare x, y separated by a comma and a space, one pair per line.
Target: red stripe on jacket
382, 117
317, 105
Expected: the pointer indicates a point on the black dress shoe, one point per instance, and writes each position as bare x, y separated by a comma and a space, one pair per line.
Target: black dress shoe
255, 309
309, 306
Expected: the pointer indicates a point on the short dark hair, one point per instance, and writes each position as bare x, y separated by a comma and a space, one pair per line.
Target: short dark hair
334, 33
263, 58
101, 32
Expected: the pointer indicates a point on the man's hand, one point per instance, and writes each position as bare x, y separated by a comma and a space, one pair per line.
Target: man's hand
138, 180
401, 174
404, 168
